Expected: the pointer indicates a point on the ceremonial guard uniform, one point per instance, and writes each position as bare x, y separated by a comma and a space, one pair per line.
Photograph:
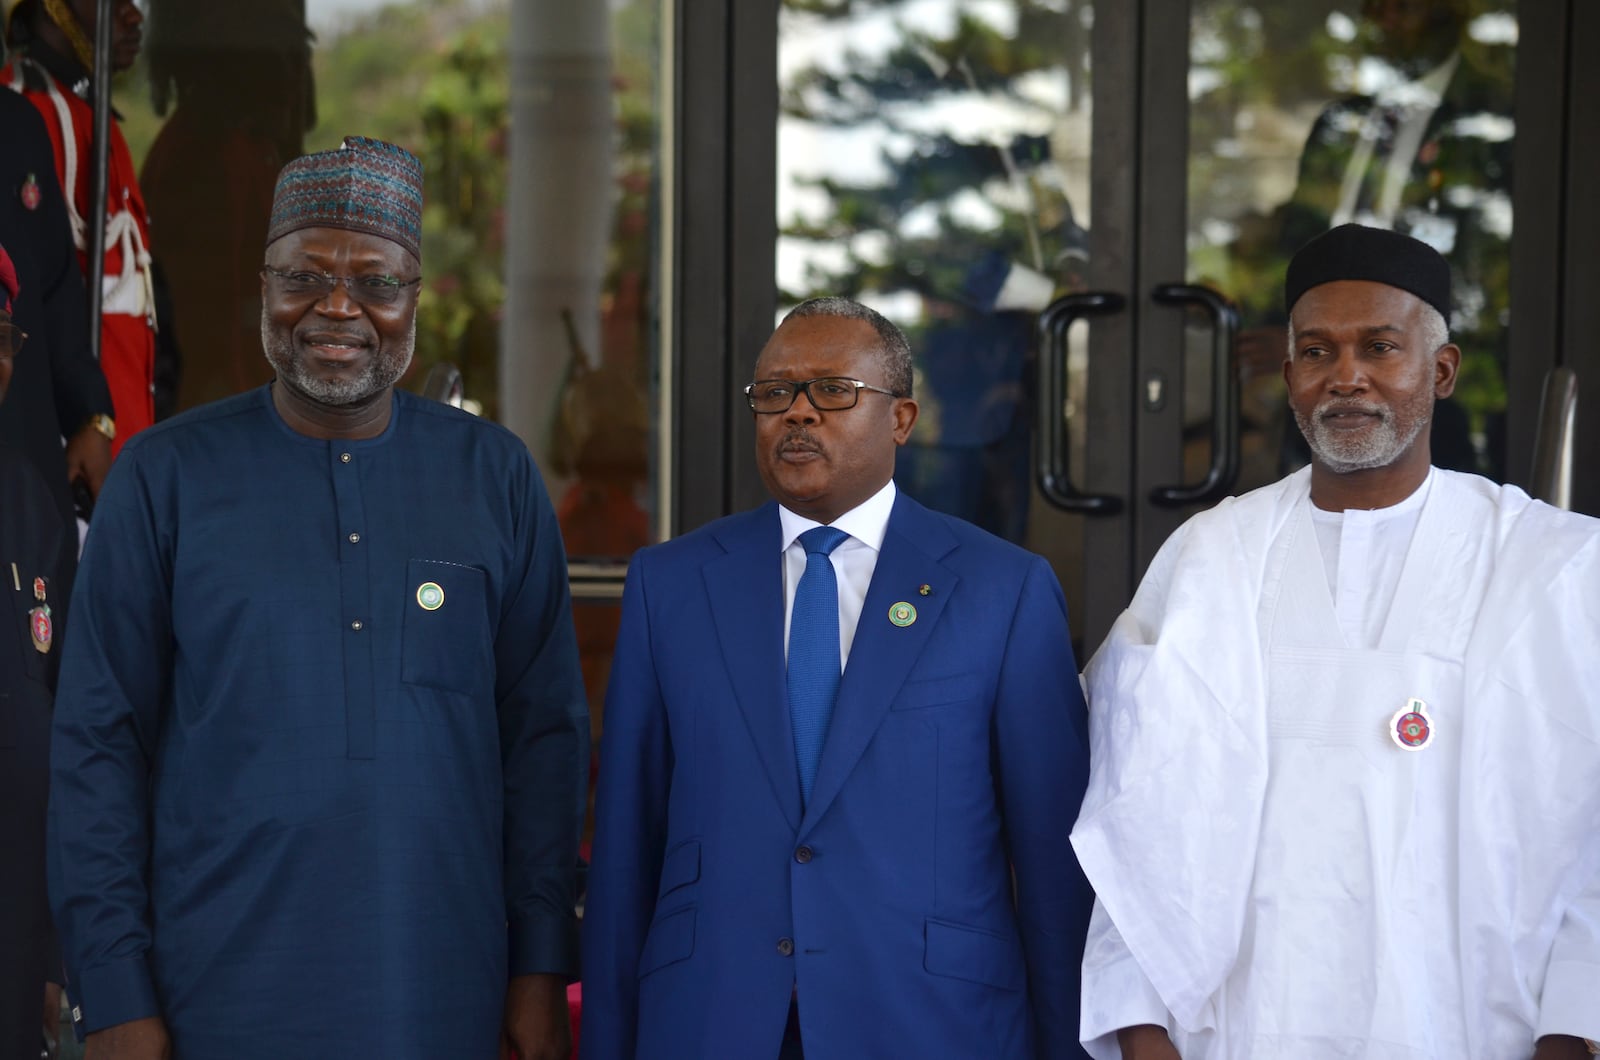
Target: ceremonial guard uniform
58, 87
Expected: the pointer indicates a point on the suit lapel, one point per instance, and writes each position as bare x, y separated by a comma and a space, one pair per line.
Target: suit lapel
745, 587
882, 653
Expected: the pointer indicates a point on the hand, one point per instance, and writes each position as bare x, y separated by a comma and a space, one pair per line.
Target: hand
537, 1026
88, 459
1560, 1047
144, 1039
52, 1015
1145, 1042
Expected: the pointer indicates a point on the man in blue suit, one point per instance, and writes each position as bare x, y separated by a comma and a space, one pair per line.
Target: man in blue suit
866, 865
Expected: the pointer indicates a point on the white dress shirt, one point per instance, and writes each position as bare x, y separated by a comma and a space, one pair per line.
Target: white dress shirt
853, 561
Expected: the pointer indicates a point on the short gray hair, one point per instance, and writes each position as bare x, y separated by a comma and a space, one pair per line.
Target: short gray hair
894, 352
1435, 332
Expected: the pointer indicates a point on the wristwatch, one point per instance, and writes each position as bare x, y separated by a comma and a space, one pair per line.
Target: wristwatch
104, 424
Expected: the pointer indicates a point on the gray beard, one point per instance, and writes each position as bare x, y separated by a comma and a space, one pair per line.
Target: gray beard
382, 372
1340, 453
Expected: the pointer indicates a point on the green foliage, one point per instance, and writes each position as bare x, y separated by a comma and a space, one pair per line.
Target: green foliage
907, 232
433, 76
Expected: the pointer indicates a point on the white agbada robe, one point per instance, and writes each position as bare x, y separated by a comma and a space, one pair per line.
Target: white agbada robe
1276, 877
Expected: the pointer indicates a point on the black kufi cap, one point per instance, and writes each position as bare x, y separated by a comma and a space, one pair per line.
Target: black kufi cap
1355, 252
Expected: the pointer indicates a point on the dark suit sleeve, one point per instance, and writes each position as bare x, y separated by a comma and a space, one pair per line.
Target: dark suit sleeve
1042, 762
630, 833
544, 744
77, 382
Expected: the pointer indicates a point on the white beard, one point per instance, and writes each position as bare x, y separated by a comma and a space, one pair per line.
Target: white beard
1344, 451
380, 373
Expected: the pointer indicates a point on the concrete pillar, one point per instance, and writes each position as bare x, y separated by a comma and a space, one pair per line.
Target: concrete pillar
558, 213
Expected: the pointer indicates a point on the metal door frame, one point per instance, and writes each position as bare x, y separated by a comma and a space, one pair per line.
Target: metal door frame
1579, 342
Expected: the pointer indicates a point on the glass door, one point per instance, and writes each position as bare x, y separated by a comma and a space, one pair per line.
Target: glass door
1081, 214
935, 160
1301, 116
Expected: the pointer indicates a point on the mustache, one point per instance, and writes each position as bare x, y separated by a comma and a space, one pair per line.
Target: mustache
323, 336
1334, 407
799, 440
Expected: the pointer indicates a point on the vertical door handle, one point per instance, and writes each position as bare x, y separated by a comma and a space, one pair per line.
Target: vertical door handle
1224, 470
1051, 438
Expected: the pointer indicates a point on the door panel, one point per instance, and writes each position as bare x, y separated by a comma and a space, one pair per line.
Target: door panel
935, 162
1392, 113
962, 166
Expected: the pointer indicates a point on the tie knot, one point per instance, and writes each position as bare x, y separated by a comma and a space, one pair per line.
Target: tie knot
822, 540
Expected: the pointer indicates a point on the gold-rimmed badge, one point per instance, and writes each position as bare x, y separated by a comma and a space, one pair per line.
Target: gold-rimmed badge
430, 596
902, 614
1411, 729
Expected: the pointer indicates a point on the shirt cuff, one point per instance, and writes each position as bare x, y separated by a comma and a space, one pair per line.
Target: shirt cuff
547, 946
1122, 997
113, 993
1568, 1003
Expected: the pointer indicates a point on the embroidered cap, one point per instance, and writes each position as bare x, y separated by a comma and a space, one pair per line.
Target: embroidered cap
363, 186
1356, 252
8, 280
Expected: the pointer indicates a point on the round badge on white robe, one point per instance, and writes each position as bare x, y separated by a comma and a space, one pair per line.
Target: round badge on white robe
1411, 729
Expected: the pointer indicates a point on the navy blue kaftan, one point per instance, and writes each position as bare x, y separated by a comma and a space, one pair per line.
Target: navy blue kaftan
298, 809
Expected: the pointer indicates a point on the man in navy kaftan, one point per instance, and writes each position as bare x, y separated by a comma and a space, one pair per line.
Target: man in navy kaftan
321, 740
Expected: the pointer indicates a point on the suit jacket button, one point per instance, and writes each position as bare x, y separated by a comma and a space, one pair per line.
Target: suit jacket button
785, 947
803, 855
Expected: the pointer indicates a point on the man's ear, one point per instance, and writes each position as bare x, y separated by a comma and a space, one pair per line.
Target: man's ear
1446, 364
905, 417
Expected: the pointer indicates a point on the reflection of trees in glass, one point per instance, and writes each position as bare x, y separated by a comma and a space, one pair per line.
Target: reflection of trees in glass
941, 138
1257, 76
1262, 74
432, 75
951, 189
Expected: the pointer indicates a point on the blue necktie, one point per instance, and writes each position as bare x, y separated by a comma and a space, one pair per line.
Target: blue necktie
814, 652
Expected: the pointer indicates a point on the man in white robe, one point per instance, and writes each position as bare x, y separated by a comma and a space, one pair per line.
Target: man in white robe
1345, 787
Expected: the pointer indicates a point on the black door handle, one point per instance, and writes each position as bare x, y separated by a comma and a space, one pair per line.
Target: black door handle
1051, 437
1224, 470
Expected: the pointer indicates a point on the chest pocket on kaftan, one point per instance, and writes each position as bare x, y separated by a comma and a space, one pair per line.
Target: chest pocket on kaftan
447, 642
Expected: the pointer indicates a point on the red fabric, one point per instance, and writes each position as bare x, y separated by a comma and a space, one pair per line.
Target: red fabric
575, 1010
128, 359
8, 279
127, 344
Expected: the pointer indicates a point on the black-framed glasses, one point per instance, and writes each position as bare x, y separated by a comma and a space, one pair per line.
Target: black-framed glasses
11, 340
828, 394
372, 290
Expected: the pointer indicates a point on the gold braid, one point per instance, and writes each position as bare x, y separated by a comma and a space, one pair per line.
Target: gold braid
63, 17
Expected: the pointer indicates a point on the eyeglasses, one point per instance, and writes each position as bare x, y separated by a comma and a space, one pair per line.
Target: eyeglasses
368, 290
11, 340
829, 394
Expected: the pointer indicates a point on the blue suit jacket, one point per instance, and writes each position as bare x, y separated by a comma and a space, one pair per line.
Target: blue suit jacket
957, 755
